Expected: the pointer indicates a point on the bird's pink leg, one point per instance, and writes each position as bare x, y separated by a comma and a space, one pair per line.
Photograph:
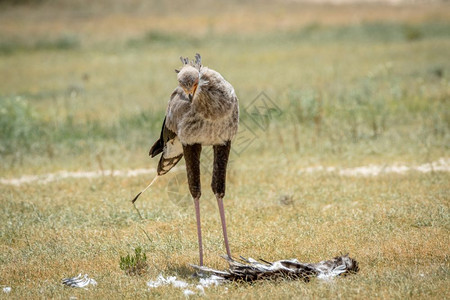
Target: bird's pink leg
199, 229
224, 225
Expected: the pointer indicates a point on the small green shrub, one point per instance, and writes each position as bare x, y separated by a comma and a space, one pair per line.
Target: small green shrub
134, 264
412, 33
156, 37
8, 47
19, 127
65, 42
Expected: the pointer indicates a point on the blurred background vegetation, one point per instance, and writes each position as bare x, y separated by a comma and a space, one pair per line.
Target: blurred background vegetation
86, 83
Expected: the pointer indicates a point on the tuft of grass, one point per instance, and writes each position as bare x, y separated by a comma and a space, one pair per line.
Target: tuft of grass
19, 126
65, 42
163, 38
412, 33
134, 264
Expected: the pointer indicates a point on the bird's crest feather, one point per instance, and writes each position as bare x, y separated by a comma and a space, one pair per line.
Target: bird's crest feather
196, 64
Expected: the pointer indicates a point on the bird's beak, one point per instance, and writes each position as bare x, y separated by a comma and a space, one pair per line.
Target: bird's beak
191, 95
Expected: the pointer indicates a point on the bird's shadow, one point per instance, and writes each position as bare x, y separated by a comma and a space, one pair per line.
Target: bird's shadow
182, 271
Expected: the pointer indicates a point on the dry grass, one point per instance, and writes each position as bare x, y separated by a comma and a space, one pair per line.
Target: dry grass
395, 226
103, 21
84, 87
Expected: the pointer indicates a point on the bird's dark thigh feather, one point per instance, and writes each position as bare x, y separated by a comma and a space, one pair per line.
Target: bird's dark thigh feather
221, 153
192, 157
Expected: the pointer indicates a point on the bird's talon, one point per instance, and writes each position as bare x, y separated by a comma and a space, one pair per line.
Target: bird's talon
199, 274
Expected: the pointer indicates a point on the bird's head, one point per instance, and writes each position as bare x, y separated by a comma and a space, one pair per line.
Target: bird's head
189, 74
188, 80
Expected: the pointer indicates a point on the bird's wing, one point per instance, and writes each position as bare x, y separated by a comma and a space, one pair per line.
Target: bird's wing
172, 154
158, 146
168, 143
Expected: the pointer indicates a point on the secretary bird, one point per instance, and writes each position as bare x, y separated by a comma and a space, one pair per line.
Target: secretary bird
202, 111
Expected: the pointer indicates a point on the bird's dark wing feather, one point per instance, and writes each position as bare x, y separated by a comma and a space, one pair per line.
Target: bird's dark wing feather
166, 164
168, 143
158, 146
170, 146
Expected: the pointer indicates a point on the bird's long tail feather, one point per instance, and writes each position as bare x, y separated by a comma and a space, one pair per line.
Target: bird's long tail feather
140, 193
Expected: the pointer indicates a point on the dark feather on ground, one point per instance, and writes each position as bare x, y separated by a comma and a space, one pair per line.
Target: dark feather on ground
252, 270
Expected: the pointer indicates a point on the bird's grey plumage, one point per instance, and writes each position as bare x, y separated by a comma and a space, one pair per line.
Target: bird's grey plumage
210, 118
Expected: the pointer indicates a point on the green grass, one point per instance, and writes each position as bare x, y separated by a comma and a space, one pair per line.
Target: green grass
134, 264
66, 42
335, 97
342, 94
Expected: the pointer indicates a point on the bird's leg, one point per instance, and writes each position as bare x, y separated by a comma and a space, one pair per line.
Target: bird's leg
199, 229
221, 153
224, 225
192, 157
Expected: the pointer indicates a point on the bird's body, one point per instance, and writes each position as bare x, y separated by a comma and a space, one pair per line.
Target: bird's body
202, 111
211, 118
213, 115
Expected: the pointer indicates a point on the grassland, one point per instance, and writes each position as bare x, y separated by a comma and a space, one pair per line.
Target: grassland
85, 88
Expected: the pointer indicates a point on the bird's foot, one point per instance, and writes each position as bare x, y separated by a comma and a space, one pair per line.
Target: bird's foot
199, 274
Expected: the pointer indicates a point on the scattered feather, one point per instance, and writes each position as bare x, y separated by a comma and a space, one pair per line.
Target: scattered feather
188, 292
171, 280
252, 270
201, 289
212, 280
186, 287
79, 281
7, 289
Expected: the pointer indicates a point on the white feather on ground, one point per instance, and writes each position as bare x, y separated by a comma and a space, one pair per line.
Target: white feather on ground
188, 289
79, 281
